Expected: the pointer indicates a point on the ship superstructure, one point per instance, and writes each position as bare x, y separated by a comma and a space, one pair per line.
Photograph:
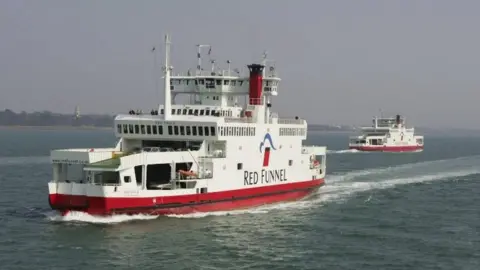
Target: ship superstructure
226, 149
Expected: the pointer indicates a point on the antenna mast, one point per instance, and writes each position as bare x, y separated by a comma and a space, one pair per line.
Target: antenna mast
168, 100
199, 57
228, 63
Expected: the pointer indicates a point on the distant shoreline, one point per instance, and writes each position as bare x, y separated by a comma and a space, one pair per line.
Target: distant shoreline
56, 127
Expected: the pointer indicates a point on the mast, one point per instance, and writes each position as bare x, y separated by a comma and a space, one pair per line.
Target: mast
167, 107
199, 57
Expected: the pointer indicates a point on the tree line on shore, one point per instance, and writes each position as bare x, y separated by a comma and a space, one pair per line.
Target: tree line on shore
47, 118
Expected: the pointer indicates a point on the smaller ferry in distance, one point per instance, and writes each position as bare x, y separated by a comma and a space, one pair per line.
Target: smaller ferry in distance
387, 135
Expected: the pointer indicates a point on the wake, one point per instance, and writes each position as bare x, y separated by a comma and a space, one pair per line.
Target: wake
74, 216
344, 151
339, 187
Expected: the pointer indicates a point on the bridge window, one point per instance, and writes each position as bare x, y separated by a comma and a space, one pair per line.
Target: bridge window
209, 83
202, 112
170, 130
119, 128
130, 129
179, 111
196, 112
175, 130
232, 82
239, 166
190, 112
213, 112
161, 111
194, 131
201, 81
154, 129
207, 112
290, 162
212, 131
127, 179
219, 82
188, 130
206, 131
160, 130
137, 129
184, 111
200, 131
149, 129
125, 128
142, 128
182, 130
226, 82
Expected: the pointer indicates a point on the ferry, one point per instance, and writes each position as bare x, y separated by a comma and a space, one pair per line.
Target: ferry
387, 135
224, 150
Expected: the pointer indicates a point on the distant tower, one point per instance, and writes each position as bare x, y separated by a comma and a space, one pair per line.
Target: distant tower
77, 112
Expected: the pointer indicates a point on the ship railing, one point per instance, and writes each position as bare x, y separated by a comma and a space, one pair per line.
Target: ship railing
238, 120
290, 121
164, 149
82, 156
108, 184
216, 153
185, 178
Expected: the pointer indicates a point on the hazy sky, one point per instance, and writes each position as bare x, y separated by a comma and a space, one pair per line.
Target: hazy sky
340, 61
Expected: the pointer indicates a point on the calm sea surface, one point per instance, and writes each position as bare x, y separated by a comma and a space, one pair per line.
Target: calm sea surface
377, 211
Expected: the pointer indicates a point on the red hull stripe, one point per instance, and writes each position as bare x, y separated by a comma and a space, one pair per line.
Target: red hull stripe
215, 201
388, 148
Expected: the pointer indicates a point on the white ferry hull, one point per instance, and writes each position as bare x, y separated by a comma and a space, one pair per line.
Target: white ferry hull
387, 148
216, 154
185, 204
387, 135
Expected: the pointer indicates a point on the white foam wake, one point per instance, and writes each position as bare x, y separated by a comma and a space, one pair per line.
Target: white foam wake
338, 188
344, 151
74, 216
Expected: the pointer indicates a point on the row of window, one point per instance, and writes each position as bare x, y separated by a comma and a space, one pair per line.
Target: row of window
200, 112
293, 132
210, 83
237, 131
200, 130
171, 130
